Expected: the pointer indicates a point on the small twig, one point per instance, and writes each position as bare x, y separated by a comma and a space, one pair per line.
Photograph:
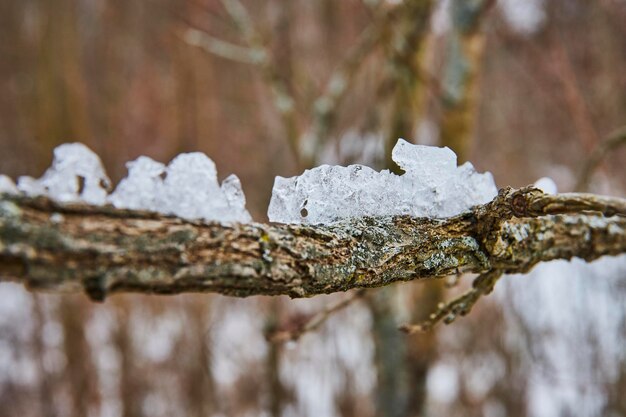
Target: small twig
221, 48
616, 139
574, 99
284, 102
575, 203
339, 82
529, 203
241, 18
314, 322
325, 105
460, 306
256, 53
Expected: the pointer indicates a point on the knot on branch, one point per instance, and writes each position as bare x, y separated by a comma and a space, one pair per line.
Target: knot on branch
519, 205
488, 219
515, 202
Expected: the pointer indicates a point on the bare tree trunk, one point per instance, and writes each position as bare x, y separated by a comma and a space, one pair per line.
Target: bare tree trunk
46, 384
390, 357
198, 382
465, 47
131, 390
79, 373
275, 388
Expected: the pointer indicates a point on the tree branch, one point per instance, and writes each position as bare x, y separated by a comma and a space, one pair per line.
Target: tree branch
291, 333
326, 105
258, 53
103, 250
460, 306
222, 48
616, 139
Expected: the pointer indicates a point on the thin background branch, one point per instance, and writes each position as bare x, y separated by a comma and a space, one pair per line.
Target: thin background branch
616, 139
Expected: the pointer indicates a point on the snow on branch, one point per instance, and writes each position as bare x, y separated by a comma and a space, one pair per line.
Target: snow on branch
174, 229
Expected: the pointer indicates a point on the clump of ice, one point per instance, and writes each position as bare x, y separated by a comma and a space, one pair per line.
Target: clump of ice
7, 185
140, 189
187, 188
191, 190
231, 188
432, 186
76, 175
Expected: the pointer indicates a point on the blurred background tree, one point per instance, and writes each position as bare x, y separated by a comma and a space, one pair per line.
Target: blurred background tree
266, 88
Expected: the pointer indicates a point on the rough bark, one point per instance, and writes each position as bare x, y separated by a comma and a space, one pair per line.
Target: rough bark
103, 250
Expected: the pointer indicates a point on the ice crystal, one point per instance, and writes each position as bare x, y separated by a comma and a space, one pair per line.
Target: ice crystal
432, 186
7, 185
76, 175
187, 188
140, 189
